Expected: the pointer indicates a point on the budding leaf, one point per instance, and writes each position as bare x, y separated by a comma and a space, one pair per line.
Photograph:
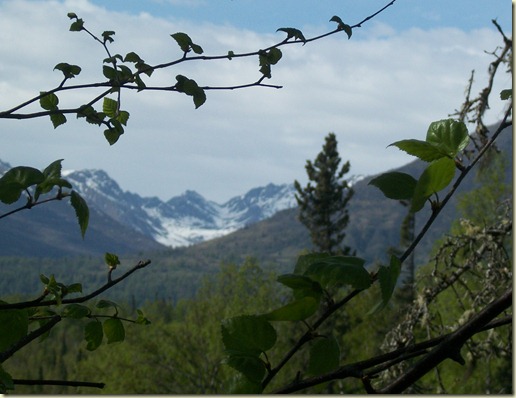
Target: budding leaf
293, 32
342, 26
69, 71
107, 36
112, 260
110, 107
76, 26
185, 43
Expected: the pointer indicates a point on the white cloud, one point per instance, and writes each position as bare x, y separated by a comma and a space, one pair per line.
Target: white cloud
381, 86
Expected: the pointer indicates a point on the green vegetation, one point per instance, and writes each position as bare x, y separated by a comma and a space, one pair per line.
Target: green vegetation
331, 324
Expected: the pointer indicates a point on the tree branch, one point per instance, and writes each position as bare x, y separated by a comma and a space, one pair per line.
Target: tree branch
457, 183
66, 383
29, 337
10, 114
38, 303
379, 363
450, 346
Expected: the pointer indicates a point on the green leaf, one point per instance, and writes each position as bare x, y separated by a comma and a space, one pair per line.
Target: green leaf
123, 117
190, 87
303, 286
248, 335
25, 176
57, 119
346, 28
53, 170
132, 57
114, 330
422, 149
93, 335
106, 304
242, 385
297, 310
74, 288
185, 43
342, 26
107, 36
250, 366
506, 94
112, 135
48, 102
113, 59
436, 177
293, 32
395, 185
274, 55
81, 211
324, 356
16, 180
297, 281
14, 325
304, 261
72, 15
111, 260
91, 115
450, 136
339, 271
139, 82
69, 71
77, 26
388, 277
53, 178
141, 320
6, 381
110, 107
109, 72
76, 311
44, 279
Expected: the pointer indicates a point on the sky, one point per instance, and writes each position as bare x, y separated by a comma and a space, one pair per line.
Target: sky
400, 71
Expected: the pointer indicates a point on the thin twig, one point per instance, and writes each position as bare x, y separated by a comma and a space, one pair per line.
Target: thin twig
108, 285
66, 383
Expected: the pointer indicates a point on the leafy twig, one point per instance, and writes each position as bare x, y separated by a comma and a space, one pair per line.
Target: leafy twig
108, 285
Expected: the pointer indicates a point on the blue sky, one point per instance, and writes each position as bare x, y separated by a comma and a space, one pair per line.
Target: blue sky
266, 16
402, 70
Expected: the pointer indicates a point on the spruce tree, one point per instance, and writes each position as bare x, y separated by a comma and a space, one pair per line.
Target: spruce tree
323, 202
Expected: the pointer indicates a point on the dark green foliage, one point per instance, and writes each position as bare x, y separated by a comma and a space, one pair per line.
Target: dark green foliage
323, 202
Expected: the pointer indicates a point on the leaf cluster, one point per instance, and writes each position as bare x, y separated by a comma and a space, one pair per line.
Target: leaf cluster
34, 183
445, 139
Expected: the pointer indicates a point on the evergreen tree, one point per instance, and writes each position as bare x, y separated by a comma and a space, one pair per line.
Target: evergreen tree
323, 202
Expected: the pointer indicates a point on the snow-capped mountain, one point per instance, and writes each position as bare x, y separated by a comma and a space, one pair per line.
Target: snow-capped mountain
182, 220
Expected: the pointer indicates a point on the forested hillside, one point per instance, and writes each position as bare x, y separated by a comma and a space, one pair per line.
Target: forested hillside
274, 243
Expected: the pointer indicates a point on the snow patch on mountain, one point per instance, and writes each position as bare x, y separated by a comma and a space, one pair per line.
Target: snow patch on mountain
185, 219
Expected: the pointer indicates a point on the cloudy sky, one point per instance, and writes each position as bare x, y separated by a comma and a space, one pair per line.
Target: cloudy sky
400, 71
